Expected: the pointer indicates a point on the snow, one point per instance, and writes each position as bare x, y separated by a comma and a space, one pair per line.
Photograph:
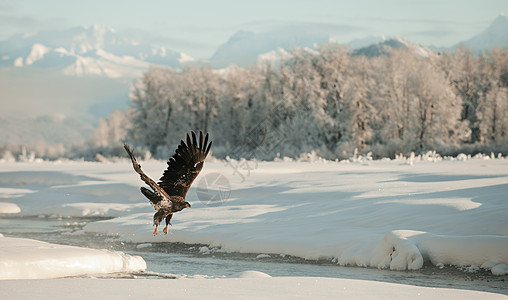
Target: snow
251, 274
49, 189
108, 65
385, 214
31, 259
96, 50
382, 214
500, 269
18, 62
144, 245
185, 58
9, 208
37, 53
250, 287
244, 47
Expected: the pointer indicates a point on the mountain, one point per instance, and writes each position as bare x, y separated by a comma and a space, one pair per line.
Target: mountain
366, 41
384, 48
96, 50
496, 35
84, 73
245, 47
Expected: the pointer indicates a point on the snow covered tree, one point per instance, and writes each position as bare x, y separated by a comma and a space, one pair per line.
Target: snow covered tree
493, 106
393, 101
360, 113
436, 108
152, 102
113, 129
331, 67
301, 105
323, 100
461, 70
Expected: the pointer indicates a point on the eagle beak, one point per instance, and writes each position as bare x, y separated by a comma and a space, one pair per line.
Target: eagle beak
187, 204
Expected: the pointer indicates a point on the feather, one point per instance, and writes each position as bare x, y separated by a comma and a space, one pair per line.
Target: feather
185, 165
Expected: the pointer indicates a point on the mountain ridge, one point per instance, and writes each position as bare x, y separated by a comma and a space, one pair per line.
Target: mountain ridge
496, 35
98, 50
80, 51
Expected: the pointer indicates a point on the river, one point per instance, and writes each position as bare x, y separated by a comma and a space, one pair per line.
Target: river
168, 260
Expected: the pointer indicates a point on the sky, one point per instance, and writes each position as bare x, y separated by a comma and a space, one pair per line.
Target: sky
199, 27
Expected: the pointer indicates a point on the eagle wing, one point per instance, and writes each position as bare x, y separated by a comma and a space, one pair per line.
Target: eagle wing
185, 165
158, 191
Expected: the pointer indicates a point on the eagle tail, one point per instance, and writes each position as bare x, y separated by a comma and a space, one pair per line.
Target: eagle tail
154, 199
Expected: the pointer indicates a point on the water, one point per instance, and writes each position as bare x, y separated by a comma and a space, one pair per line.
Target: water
167, 259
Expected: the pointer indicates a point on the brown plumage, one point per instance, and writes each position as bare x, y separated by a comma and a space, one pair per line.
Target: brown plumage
168, 195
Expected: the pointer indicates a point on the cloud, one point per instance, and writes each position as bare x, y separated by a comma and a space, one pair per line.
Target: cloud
318, 28
12, 23
433, 33
172, 42
425, 22
278, 26
18, 21
6, 6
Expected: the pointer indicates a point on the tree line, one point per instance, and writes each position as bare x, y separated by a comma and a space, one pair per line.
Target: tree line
326, 101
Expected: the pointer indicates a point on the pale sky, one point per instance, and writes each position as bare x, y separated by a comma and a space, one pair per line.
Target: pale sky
198, 27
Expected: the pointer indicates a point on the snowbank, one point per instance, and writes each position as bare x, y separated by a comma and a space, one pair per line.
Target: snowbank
228, 288
31, 259
9, 208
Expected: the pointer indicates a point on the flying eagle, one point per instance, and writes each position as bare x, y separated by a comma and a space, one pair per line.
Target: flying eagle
168, 195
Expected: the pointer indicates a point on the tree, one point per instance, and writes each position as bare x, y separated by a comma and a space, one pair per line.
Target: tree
113, 129
493, 106
152, 102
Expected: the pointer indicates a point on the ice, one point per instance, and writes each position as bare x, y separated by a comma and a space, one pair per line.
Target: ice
31, 259
500, 269
251, 274
144, 245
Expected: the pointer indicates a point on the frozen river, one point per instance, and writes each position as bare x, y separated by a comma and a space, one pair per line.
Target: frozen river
167, 259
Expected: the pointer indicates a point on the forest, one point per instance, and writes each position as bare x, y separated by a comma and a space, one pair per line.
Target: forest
325, 101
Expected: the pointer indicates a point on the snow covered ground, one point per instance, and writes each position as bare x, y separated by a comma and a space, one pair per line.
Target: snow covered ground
228, 288
390, 214
31, 259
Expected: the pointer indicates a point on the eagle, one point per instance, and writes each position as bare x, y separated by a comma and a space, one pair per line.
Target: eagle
168, 195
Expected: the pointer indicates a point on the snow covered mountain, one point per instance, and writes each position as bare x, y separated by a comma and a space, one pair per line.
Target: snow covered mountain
245, 47
384, 47
366, 41
95, 50
496, 35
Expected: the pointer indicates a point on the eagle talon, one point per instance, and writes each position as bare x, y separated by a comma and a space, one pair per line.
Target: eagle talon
156, 230
165, 229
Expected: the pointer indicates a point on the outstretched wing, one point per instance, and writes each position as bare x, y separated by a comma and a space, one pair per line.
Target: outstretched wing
157, 190
185, 165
